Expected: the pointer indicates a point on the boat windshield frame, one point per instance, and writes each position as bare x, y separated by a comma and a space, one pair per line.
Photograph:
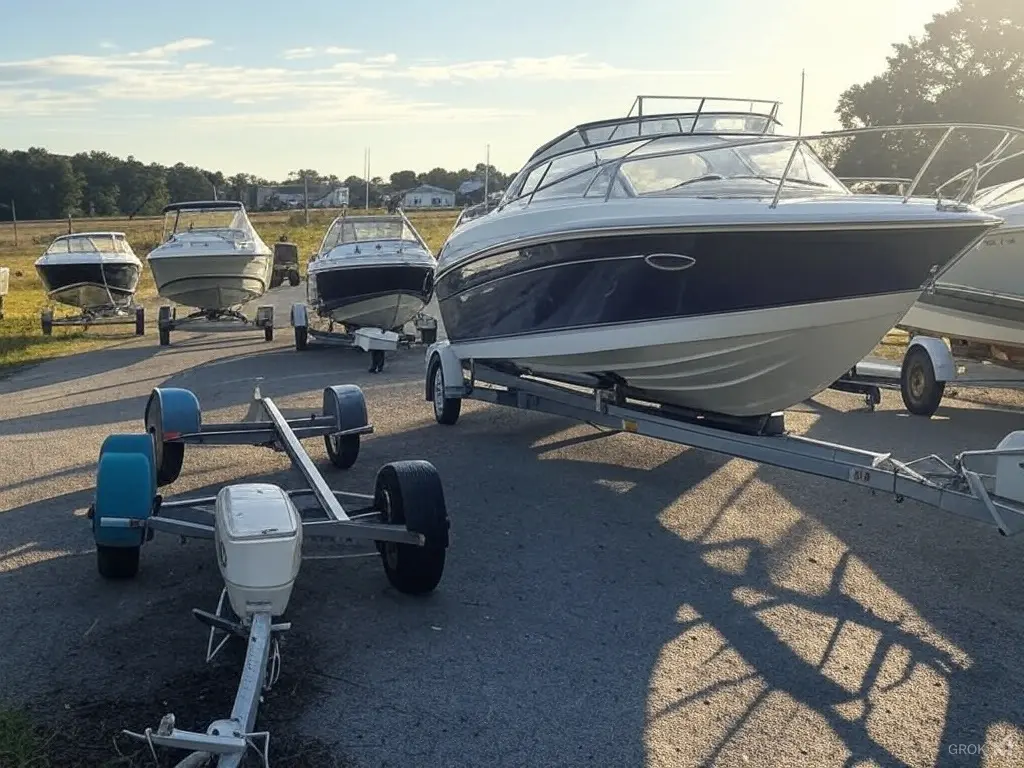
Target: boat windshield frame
118, 241
408, 233
623, 153
238, 222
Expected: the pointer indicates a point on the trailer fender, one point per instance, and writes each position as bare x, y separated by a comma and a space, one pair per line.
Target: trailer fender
346, 403
939, 354
125, 491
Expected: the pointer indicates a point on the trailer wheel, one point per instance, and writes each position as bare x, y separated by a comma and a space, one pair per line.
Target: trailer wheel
276, 278
301, 337
117, 562
268, 333
922, 393
293, 278
446, 409
342, 450
409, 493
165, 337
140, 321
46, 320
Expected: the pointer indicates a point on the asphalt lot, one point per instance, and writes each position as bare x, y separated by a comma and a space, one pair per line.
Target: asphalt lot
609, 601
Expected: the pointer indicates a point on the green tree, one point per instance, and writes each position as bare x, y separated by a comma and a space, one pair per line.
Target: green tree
967, 67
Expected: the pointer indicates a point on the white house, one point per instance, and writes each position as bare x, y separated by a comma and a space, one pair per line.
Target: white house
427, 196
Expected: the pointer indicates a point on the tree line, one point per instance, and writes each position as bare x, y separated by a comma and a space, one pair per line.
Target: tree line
39, 184
968, 66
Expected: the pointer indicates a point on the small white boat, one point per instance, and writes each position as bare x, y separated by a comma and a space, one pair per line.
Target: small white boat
212, 257
93, 271
981, 297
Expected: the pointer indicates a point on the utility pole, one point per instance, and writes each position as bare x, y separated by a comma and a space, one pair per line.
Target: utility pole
803, 79
367, 178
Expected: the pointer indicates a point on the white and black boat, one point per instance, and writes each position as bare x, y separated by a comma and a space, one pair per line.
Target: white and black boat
371, 272
96, 272
692, 258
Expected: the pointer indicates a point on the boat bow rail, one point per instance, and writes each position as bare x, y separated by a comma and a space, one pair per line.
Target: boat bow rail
957, 487
590, 168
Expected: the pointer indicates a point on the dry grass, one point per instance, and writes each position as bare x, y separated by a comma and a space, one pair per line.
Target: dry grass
21, 337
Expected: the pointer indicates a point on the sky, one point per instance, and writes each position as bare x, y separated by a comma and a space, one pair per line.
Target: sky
271, 86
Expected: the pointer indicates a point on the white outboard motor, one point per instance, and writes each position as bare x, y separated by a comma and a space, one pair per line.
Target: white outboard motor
258, 535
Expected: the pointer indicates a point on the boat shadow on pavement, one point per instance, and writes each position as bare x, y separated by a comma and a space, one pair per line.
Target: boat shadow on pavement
608, 600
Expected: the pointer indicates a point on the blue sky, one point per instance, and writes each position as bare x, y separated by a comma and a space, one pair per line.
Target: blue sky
267, 86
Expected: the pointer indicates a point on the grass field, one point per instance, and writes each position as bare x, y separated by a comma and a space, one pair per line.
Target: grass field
21, 337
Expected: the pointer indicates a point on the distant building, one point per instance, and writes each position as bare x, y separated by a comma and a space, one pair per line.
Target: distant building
427, 196
292, 196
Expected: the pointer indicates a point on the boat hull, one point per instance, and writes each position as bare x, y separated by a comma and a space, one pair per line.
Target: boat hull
88, 285
739, 322
212, 281
981, 298
383, 296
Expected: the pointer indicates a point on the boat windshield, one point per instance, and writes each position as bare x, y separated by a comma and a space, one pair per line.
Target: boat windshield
101, 243
225, 222
1010, 193
680, 165
350, 230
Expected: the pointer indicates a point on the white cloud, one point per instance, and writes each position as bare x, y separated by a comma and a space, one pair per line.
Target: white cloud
353, 90
107, 45
306, 52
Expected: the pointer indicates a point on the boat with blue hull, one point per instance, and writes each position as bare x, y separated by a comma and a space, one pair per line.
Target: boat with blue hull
93, 271
695, 258
371, 272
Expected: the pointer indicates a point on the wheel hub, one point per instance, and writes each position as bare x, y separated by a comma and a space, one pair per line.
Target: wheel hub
917, 383
438, 391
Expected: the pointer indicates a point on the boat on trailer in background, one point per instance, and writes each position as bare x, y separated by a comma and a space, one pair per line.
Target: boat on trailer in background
95, 272
371, 276
968, 327
211, 259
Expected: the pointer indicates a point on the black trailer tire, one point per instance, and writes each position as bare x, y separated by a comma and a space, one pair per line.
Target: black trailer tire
446, 409
301, 337
268, 333
409, 493
140, 321
342, 450
165, 337
117, 562
921, 392
293, 278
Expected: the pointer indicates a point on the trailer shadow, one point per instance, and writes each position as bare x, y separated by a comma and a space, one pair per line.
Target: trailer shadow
221, 383
659, 600
57, 370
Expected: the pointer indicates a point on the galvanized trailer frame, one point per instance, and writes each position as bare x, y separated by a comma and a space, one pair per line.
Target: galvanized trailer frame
952, 487
422, 525
214, 321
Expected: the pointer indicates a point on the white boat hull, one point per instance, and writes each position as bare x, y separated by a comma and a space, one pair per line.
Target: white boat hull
387, 312
981, 298
740, 364
205, 281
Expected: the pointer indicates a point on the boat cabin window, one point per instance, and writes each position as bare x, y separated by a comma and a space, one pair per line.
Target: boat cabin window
670, 167
94, 244
345, 231
214, 220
